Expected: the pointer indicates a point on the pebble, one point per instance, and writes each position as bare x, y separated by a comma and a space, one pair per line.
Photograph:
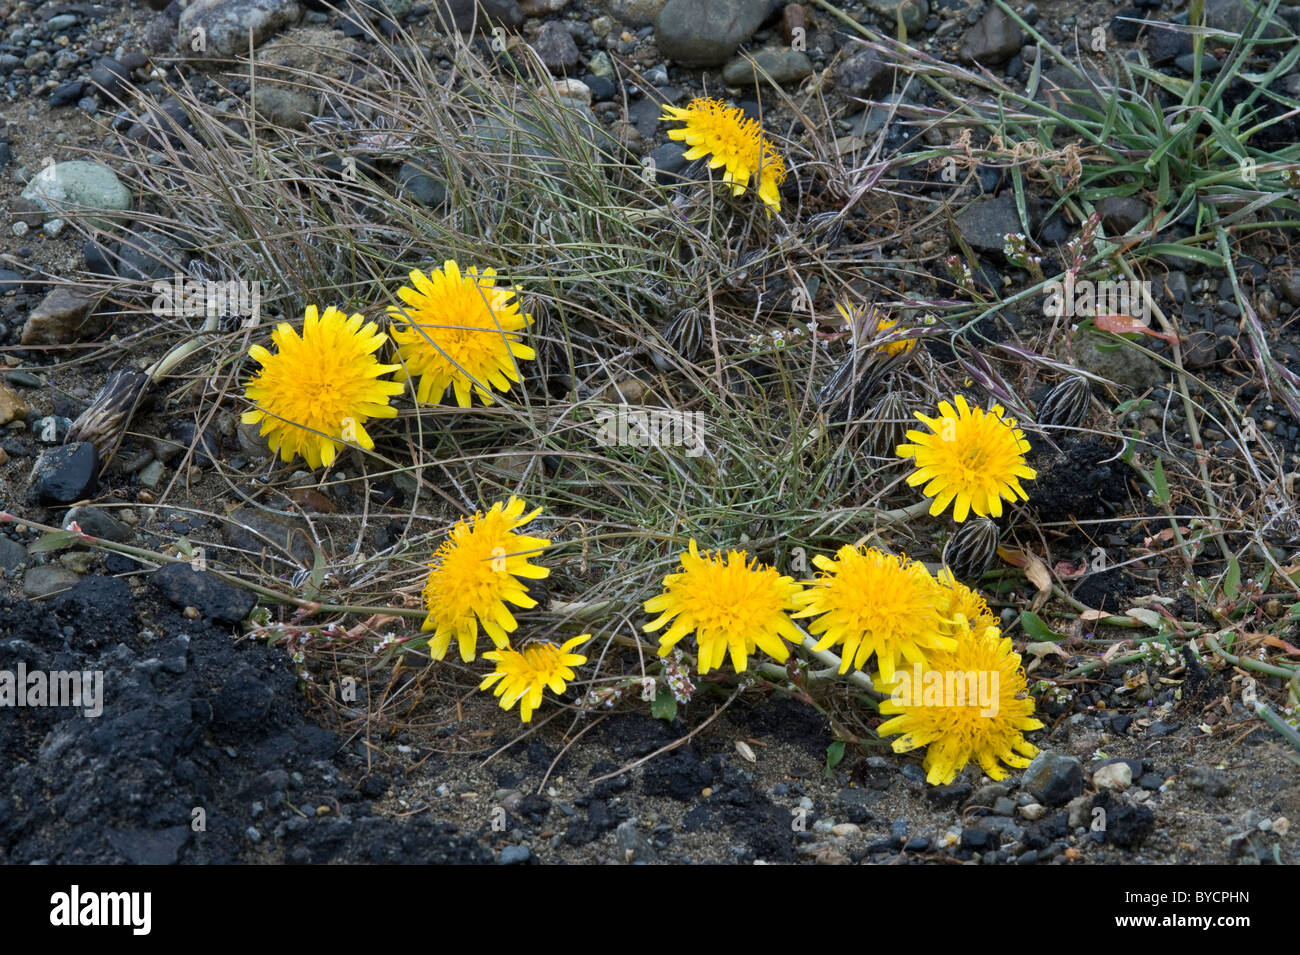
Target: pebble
63, 474
48, 579
1054, 778
1033, 811
992, 40
227, 24
514, 855
1115, 776
705, 33
777, 64
555, 47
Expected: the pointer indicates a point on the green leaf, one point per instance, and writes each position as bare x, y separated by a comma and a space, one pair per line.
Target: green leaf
1036, 629
55, 540
1232, 579
1196, 254
1160, 483
664, 706
834, 755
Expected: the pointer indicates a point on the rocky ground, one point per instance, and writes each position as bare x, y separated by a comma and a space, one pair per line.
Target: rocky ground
203, 724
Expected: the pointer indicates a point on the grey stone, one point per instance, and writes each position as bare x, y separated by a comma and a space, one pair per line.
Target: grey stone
985, 221
253, 531
636, 847
1071, 96
555, 48
633, 13
482, 16
1122, 365
1166, 43
12, 553
779, 64
1235, 15
1116, 776
514, 855
48, 579
78, 186
284, 106
914, 12
149, 255
1054, 778
993, 40
1201, 349
64, 474
97, 523
706, 32
217, 600
149, 846
226, 24
110, 75
1289, 286
1187, 63
1120, 214
864, 74
416, 183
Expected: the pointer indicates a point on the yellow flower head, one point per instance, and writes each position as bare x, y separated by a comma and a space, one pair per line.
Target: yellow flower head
732, 604
974, 457
315, 393
734, 142
872, 602
961, 606
967, 704
524, 674
475, 572
459, 330
860, 323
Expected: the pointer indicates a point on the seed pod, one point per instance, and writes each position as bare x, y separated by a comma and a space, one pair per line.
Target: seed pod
888, 420
825, 227
1066, 405
969, 552
687, 333
105, 420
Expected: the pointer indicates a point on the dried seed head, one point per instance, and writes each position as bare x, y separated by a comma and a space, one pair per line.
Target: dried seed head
687, 333
969, 551
825, 228
888, 421
1066, 405
105, 421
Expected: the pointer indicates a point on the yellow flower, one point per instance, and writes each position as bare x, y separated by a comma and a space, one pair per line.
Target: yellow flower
474, 573
967, 704
315, 393
872, 602
734, 142
730, 604
960, 604
974, 457
524, 674
860, 324
459, 330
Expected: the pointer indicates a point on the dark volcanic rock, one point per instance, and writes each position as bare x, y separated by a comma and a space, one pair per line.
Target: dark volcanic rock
185, 586
63, 474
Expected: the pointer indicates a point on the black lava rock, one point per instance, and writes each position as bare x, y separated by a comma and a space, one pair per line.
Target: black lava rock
217, 600
64, 474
